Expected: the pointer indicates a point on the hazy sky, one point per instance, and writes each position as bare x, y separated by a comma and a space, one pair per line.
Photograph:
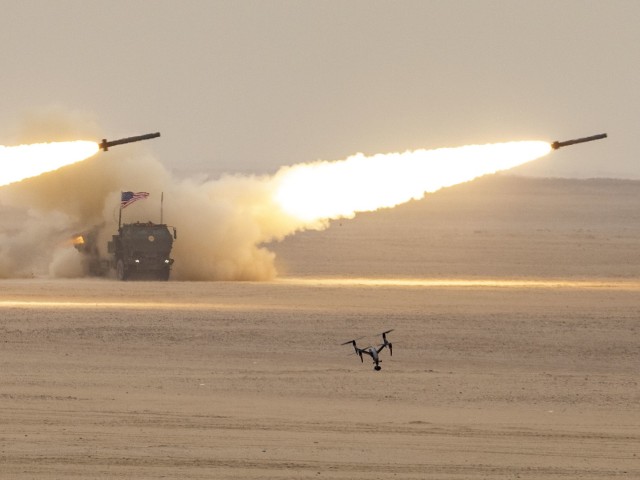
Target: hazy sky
248, 86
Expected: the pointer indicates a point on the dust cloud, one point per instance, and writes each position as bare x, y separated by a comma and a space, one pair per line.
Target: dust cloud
222, 224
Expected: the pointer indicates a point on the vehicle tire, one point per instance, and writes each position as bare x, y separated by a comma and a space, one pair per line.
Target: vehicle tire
121, 271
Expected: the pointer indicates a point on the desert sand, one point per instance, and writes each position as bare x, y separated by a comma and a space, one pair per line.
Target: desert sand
514, 304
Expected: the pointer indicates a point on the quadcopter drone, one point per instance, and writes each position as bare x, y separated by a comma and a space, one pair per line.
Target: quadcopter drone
373, 352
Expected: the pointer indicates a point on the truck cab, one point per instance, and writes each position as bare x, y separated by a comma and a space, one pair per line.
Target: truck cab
142, 250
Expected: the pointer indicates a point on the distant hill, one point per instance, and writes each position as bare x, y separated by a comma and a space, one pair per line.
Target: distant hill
496, 226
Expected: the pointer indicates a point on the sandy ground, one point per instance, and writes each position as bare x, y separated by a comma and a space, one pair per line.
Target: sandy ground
516, 354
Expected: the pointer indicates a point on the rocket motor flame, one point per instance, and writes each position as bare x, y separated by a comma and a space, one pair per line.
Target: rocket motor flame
329, 190
26, 161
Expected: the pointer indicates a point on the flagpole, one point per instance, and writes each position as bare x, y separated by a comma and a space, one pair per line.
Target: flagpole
161, 207
120, 213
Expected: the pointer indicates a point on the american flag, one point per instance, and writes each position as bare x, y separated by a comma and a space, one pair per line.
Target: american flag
127, 198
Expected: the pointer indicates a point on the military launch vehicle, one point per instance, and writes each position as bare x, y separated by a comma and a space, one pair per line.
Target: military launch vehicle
140, 251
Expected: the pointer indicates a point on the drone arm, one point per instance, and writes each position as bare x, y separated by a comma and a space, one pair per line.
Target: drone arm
366, 352
386, 343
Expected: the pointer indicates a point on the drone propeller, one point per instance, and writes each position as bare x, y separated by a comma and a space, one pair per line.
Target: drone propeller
353, 341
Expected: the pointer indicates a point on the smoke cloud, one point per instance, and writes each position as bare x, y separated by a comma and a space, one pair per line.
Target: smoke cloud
222, 224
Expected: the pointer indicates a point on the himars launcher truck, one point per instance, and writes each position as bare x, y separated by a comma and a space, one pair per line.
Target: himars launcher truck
142, 250
138, 251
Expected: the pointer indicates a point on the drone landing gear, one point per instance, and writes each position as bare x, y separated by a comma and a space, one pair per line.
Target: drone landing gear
377, 368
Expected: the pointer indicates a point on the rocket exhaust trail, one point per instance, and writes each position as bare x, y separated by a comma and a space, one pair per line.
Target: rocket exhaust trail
26, 161
329, 190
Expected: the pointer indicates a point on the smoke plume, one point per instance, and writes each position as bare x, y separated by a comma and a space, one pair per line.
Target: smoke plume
222, 224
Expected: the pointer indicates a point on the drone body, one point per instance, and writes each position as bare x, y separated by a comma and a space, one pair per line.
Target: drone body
373, 352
